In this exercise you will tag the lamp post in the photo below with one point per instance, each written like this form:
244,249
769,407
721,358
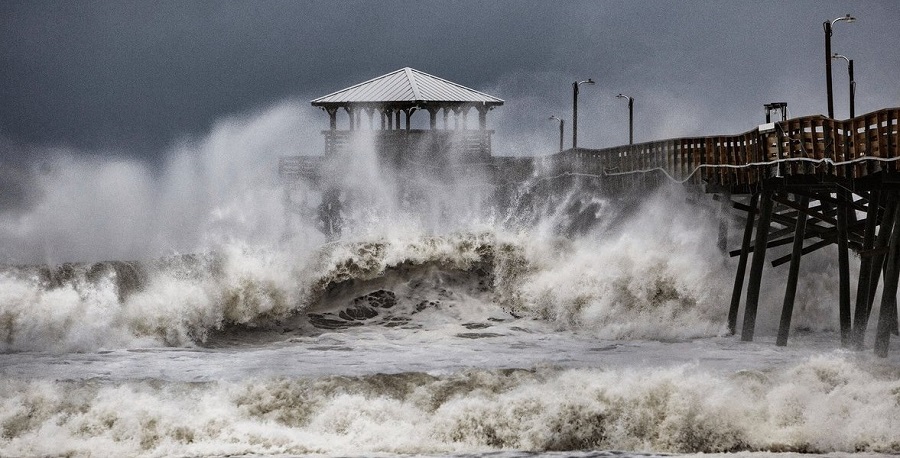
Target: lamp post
561,123
852,82
828,25
630,116
575,110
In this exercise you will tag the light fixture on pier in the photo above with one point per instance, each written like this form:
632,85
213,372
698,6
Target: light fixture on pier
828,25
561,124
852,82
630,116
575,110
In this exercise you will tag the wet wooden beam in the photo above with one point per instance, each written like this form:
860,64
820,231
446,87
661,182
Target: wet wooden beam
889,295
845,199
861,314
787,308
742,265
756,267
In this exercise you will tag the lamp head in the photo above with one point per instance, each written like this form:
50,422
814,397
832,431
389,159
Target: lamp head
848,19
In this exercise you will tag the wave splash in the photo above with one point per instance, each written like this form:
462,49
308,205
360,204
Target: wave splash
608,286
822,405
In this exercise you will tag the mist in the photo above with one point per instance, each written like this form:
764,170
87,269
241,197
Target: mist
77,206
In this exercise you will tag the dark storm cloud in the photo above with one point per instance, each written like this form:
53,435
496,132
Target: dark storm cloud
134,76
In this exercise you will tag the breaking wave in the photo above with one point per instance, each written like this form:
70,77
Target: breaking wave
616,287
822,405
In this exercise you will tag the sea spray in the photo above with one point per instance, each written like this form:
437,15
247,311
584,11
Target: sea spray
822,405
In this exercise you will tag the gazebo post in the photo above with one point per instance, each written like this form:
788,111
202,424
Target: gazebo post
409,112
370,112
350,115
398,119
332,117
446,117
482,116
432,113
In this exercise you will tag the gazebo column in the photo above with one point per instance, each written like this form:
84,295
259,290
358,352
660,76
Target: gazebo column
387,119
446,118
409,112
350,114
432,113
465,114
456,111
332,117
370,112
397,115
482,116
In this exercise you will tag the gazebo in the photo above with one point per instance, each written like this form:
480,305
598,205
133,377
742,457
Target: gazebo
404,92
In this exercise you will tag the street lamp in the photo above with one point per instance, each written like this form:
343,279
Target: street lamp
630,116
852,82
828,25
561,123
575,110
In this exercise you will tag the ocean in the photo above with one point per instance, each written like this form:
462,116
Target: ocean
436,326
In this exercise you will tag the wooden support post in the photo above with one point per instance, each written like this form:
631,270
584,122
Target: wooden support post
756,267
889,294
844,267
742,265
724,210
881,245
863,291
790,291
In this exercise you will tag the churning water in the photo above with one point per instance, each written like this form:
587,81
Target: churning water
437,324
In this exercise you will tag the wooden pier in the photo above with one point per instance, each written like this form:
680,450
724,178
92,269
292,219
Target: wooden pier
810,182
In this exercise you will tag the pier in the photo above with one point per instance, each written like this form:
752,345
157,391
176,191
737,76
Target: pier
808,182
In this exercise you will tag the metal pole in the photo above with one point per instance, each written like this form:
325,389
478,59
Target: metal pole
630,120
561,124
827,26
575,110
575,115
852,90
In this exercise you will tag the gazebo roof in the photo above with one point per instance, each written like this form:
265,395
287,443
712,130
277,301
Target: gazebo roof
407,86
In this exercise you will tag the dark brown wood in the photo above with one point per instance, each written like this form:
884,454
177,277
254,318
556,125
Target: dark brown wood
742,265
790,291
844,268
889,294
861,314
756,267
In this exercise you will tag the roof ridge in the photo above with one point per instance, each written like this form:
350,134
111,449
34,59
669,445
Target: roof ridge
412,83
359,84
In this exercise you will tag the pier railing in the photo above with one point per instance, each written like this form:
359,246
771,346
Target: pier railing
807,146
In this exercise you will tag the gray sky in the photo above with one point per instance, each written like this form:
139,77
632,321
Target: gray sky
132,78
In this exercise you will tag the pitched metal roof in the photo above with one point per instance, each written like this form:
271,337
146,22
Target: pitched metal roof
407,85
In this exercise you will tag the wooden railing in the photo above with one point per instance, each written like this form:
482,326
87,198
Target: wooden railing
809,146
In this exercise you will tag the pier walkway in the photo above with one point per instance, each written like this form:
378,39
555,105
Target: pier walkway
809,182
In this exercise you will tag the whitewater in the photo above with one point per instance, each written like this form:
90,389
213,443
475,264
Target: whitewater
175,310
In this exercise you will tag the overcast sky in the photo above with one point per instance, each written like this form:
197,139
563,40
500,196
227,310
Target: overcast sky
134,77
